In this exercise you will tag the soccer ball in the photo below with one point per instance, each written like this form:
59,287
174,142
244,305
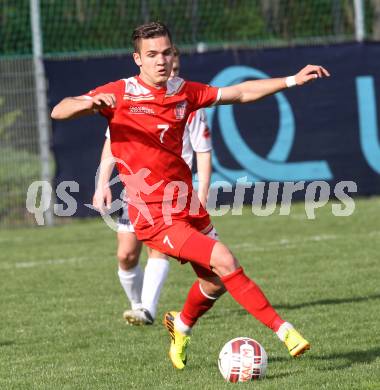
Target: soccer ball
242,360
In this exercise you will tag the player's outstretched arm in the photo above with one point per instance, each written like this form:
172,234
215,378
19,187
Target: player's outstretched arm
74,107
103,196
253,90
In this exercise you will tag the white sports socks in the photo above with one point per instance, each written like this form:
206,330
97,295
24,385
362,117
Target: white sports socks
155,274
132,281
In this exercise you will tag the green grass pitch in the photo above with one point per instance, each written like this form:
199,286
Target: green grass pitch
61,306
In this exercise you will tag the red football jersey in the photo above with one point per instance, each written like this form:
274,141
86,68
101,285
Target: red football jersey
146,129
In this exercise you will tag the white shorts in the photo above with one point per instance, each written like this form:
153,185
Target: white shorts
124,224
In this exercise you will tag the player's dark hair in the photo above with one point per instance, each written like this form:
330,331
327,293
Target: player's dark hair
176,52
149,30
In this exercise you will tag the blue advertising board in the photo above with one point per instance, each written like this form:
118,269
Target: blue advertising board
328,130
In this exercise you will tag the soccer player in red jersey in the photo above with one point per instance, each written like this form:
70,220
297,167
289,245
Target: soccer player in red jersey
146,116
143,288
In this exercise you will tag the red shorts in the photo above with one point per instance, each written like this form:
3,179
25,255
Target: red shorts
184,238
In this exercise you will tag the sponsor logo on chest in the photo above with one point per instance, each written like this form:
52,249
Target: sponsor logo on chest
141,110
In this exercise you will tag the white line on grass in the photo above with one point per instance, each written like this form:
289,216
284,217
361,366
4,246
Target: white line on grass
289,243
283,243
31,264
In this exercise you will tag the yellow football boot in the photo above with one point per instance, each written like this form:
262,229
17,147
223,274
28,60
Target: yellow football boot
295,343
179,342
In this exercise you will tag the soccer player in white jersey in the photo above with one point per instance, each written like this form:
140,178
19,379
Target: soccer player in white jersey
143,288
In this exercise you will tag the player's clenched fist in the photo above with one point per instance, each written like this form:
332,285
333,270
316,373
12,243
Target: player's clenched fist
309,73
103,100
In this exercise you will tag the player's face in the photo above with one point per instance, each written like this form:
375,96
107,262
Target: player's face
175,68
155,60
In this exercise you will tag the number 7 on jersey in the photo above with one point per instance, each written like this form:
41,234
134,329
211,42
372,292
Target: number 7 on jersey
164,128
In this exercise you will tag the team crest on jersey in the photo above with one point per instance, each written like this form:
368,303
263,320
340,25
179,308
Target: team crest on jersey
180,110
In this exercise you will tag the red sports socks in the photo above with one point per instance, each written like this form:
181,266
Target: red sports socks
249,295
196,304
243,290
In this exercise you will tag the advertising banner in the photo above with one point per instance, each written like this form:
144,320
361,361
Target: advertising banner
326,131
